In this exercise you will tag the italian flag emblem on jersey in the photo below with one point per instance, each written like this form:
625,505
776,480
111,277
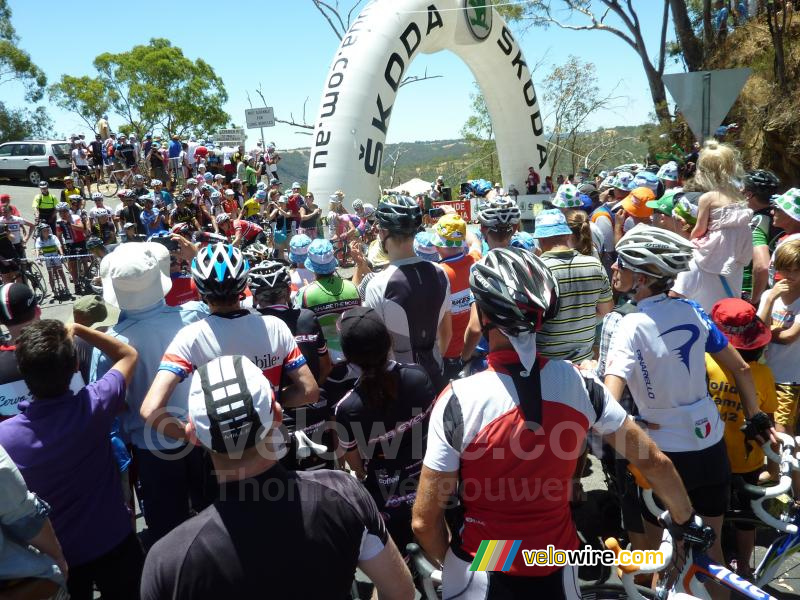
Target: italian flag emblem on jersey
702,429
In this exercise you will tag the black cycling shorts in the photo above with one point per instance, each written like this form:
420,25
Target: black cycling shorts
706,475
74,248
741,502
82,169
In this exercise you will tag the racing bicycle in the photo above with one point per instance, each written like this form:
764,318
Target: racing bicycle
116,180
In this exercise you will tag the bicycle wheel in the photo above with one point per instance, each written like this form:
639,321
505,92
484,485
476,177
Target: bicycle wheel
108,186
36,281
612,591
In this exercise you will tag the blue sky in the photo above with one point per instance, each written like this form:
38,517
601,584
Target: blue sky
287,47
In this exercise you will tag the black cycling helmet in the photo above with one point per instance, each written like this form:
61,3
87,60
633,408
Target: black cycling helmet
515,290
399,214
761,182
269,275
220,271
94,242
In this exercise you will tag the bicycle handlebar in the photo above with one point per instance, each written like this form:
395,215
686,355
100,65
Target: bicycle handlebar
429,575
787,443
627,572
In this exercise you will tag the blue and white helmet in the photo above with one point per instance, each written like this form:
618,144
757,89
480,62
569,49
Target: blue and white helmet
220,271
566,197
668,171
646,179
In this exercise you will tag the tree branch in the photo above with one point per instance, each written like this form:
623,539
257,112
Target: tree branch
319,4
662,51
417,78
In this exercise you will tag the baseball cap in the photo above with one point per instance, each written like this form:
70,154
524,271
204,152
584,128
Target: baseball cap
686,207
450,231
739,322
362,331
587,188
550,223
91,311
789,202
666,203
17,304
635,203
231,404
320,258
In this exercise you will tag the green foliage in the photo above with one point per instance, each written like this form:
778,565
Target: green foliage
479,134
17,124
148,86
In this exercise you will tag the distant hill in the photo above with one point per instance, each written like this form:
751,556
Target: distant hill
452,158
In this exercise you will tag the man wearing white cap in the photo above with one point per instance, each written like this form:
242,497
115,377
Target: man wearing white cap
247,544
136,279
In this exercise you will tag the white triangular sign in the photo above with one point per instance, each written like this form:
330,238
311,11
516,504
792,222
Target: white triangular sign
687,89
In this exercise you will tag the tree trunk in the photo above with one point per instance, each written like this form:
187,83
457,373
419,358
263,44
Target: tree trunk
708,26
776,32
691,47
658,92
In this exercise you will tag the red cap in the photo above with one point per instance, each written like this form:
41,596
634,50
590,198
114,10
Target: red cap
737,319
5,198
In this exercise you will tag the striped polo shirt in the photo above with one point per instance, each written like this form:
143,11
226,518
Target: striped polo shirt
582,284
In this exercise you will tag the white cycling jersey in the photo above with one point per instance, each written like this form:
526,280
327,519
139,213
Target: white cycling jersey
660,352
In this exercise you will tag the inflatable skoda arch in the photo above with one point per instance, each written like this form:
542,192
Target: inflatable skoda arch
375,55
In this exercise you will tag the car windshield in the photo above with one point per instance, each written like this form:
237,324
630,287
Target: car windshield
61,150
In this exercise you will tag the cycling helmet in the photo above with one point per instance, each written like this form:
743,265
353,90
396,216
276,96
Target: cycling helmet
158,235
399,214
261,185
357,204
155,182
97,196
94,242
208,176
515,290
130,195
566,197
75,198
62,206
138,177
223,218
181,228
216,197
42,226
219,271
101,212
524,240
500,212
761,182
653,251
260,195
269,275
191,181
369,211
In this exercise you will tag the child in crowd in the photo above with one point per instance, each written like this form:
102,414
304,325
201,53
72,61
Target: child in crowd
778,309
747,333
49,248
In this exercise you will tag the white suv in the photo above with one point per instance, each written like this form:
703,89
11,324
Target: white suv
35,160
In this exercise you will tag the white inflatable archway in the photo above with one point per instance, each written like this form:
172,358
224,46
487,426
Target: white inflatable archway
374,56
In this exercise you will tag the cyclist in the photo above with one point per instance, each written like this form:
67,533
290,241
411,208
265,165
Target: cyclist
70,189
49,248
449,236
125,153
96,156
183,213
160,193
103,227
243,232
328,296
152,219
139,188
664,342
15,228
44,203
759,187
390,401
502,431
220,274
72,229
270,284
411,295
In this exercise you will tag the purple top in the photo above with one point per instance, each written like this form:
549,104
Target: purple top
63,449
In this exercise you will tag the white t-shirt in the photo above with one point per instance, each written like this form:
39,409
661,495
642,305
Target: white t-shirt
190,153
79,157
783,359
660,353
14,226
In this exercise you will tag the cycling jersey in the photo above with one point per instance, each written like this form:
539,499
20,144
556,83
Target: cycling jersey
79,234
461,299
265,340
66,230
655,348
328,297
45,202
181,214
412,296
249,231
250,208
341,222
387,439
307,333
14,227
515,481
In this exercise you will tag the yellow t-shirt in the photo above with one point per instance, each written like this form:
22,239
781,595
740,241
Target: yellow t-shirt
722,387
251,207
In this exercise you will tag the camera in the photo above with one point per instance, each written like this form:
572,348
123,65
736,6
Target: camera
169,243
435,213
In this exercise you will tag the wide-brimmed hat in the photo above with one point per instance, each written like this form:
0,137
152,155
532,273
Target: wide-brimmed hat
320,258
298,248
450,231
739,322
789,202
136,276
551,222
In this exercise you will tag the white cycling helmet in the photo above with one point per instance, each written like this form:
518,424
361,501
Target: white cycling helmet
223,218
501,212
97,196
357,204
655,252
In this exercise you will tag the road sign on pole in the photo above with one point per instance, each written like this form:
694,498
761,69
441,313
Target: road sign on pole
259,117
230,136
705,97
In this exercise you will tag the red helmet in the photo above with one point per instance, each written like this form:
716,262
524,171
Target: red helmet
181,228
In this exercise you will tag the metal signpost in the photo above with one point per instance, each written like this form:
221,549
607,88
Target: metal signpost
260,118
705,97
